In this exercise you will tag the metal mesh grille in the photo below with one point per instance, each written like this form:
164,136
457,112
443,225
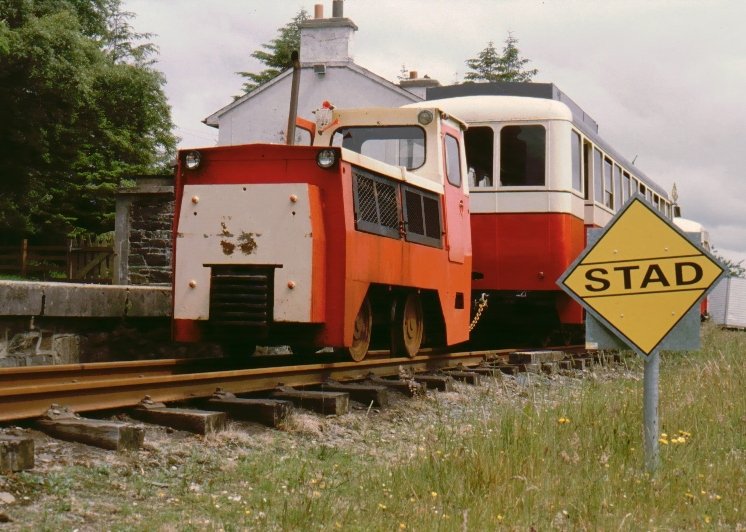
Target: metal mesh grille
376,204
376,201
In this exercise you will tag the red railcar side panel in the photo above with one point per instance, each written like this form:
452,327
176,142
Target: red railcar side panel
527,252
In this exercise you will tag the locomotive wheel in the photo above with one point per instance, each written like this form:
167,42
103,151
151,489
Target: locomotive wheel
408,325
362,333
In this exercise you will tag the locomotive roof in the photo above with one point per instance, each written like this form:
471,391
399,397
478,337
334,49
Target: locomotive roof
470,101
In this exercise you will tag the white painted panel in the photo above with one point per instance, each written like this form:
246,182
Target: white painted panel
229,215
263,117
535,200
728,303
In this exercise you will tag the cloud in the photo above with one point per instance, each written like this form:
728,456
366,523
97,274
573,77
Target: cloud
664,80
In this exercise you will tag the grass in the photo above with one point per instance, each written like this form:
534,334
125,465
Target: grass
537,452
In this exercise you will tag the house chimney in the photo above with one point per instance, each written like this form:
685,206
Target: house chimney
418,86
338,8
326,40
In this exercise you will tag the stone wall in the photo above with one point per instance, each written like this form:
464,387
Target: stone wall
144,221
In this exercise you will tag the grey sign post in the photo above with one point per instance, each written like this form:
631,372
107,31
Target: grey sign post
640,280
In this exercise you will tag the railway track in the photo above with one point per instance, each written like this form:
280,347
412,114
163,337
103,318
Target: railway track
29,392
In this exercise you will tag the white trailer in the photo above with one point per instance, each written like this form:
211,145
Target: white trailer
728,303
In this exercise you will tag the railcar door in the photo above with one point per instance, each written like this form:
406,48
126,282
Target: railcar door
456,202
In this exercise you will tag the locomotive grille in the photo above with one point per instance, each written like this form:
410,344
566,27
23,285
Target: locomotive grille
422,213
241,296
376,204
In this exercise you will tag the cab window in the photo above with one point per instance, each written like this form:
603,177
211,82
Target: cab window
395,145
480,142
453,161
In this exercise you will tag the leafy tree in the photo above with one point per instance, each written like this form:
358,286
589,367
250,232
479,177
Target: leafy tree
277,56
491,66
80,107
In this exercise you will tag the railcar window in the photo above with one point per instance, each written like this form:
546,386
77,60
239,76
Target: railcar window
453,161
396,145
480,150
608,185
598,177
522,156
577,175
627,187
618,186
642,189
587,169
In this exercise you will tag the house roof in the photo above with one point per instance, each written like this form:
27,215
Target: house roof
213,119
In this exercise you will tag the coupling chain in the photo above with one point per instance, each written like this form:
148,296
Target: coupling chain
481,305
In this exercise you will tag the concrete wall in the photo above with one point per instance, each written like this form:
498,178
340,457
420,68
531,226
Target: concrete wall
69,323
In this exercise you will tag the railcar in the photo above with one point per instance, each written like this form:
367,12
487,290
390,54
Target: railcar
539,176
360,239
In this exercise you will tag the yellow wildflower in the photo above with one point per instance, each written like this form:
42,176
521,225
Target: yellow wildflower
402,526
381,506
433,494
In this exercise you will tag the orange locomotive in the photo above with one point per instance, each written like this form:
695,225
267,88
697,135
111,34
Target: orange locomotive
361,239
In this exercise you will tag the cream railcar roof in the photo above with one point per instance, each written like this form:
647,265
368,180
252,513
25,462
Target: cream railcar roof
481,109
475,109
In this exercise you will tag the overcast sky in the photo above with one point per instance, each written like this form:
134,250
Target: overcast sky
665,80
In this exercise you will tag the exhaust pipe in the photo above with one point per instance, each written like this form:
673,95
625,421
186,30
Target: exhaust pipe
292,115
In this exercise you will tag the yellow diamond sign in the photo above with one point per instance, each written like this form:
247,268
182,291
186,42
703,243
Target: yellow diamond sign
641,276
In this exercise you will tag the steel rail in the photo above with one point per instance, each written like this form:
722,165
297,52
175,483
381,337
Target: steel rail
75,373
128,387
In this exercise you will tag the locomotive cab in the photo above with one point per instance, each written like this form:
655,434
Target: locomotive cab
359,241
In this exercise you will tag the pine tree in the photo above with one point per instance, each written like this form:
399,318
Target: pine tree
277,56
490,66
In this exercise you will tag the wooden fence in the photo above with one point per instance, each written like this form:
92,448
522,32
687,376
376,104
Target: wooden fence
87,260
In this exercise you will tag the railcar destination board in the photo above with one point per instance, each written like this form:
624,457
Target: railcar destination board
641,276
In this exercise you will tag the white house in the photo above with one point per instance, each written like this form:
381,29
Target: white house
328,72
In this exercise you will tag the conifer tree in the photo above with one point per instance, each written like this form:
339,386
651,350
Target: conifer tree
491,66
277,54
